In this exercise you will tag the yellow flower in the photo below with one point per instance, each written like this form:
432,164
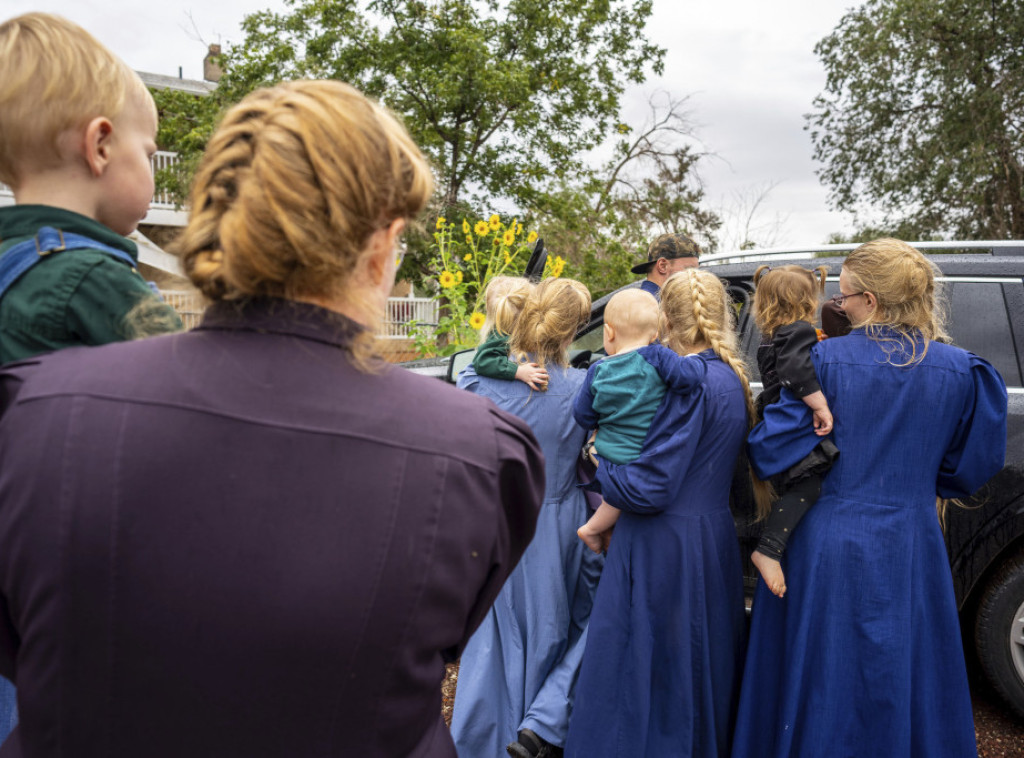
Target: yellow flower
446,279
469,240
509,237
494,222
519,229
458,277
467,257
477,320
440,222
481,228
532,237
465,226
496,241
508,258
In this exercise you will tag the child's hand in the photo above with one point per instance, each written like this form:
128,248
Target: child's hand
533,375
822,421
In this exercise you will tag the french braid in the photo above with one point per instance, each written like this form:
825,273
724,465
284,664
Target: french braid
698,309
291,188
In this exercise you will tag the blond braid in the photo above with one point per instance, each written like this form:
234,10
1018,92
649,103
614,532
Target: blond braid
709,320
293,185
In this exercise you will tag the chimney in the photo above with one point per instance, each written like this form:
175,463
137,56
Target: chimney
211,65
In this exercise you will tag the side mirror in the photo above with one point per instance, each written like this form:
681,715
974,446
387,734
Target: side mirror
538,259
457,363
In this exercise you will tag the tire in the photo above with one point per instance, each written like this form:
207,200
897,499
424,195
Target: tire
999,632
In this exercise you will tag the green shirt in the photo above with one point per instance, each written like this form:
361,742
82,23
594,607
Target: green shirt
491,358
77,297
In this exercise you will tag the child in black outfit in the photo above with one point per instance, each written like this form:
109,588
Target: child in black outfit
785,301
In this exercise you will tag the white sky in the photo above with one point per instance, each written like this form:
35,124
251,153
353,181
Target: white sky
747,65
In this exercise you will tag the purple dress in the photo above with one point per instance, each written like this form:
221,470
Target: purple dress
230,542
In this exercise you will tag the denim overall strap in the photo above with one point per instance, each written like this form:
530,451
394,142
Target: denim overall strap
23,256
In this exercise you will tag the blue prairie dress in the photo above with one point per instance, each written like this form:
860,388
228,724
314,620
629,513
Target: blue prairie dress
863,656
661,672
519,668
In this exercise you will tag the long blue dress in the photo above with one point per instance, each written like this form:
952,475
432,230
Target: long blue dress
660,675
863,655
519,668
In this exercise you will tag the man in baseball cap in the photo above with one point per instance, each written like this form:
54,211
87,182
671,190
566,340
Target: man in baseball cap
666,255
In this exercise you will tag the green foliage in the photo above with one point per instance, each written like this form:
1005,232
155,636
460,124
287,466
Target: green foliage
464,257
922,115
479,85
186,123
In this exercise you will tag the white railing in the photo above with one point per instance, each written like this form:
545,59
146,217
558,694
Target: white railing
396,325
163,159
402,310
188,303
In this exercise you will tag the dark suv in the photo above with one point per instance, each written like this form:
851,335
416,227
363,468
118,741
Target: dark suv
984,286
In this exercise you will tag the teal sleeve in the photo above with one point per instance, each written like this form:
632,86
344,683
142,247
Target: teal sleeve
491,359
113,303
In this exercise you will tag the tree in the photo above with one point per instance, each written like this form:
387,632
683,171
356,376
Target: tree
505,98
921,115
602,222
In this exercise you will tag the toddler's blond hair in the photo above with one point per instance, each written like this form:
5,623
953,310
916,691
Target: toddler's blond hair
633,314
504,298
55,77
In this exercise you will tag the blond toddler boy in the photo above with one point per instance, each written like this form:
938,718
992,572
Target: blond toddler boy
622,393
77,131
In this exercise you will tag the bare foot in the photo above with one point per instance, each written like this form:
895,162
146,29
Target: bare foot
771,572
590,539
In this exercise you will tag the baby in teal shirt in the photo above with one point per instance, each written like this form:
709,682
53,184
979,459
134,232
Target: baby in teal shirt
621,393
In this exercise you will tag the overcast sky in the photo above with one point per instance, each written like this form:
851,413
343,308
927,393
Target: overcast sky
747,66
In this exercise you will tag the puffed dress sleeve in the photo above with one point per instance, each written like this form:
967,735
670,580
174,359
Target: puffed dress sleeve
651,483
978,449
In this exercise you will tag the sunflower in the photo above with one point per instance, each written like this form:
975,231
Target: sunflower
476,321
509,238
481,228
519,229
469,240
446,280
467,257
458,277
440,222
495,222
532,237
465,226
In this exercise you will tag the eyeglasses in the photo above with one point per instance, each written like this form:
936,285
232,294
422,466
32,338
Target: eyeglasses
840,299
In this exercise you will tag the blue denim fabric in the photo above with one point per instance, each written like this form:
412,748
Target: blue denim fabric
8,709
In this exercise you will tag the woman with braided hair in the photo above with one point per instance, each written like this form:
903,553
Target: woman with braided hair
256,538
660,675
863,657
517,674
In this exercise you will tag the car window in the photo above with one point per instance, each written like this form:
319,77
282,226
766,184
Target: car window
980,322
593,340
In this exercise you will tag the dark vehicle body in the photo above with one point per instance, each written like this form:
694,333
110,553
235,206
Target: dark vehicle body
983,286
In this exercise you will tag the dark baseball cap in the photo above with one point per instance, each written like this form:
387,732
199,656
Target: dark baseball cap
668,246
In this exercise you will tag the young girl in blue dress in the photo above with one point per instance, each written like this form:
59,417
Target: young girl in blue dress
785,303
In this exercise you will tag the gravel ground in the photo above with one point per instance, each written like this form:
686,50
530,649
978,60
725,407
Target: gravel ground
1000,732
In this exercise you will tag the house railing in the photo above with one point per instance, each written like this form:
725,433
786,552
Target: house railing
396,325
403,310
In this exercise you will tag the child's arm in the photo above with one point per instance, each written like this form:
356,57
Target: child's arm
492,359
583,405
681,373
793,343
822,415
